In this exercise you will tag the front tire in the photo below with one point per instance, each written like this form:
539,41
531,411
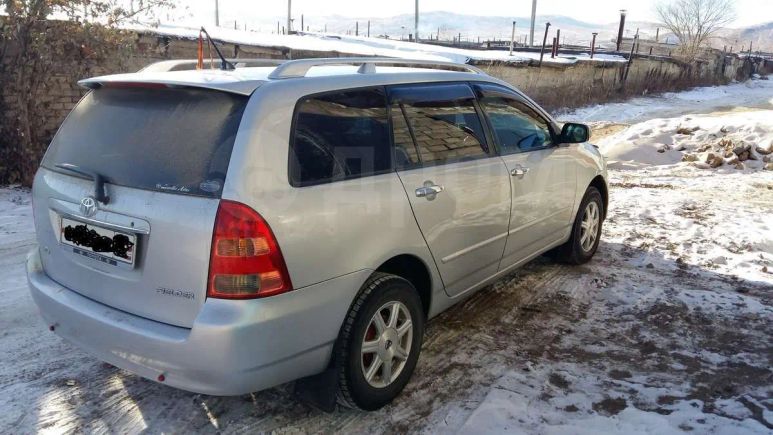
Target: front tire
586,231
379,343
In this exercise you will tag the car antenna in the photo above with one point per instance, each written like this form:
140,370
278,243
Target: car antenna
225,65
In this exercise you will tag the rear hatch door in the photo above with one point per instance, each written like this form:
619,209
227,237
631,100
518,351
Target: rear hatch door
163,153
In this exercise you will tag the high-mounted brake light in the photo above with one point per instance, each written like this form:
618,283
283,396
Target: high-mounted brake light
245,260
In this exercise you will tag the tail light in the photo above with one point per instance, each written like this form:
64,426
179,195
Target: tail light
245,260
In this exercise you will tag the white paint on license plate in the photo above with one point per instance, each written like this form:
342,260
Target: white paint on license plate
98,243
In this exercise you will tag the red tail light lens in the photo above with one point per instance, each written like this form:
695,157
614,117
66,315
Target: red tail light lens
245,260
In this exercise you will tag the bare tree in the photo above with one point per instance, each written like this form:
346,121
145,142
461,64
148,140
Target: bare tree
694,22
35,44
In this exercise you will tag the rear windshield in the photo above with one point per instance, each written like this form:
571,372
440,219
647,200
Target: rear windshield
172,140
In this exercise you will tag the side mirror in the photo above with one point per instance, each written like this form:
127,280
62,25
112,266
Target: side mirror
574,133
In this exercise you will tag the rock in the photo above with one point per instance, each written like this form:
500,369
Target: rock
703,148
741,148
714,160
680,147
689,158
768,166
663,148
763,151
650,266
729,154
723,129
743,156
688,131
739,165
733,160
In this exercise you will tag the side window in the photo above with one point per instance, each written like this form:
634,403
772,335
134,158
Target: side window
443,121
517,127
406,154
339,136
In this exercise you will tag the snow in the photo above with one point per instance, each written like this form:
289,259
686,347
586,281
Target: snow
365,46
667,330
658,142
748,94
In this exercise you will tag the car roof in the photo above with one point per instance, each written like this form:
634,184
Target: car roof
244,80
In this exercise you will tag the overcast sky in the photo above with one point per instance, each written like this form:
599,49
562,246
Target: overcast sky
748,12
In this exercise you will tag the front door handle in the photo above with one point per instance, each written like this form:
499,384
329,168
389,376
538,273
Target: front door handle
429,190
519,171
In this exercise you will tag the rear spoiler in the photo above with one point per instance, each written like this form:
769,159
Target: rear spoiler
190,64
181,79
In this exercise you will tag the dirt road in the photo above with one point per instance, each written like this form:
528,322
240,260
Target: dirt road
640,327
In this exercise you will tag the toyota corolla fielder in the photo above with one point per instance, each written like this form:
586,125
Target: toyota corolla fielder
224,232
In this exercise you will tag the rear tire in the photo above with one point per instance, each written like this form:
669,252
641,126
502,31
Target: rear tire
375,359
586,230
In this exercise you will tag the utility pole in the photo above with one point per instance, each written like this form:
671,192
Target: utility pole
356,28
368,28
217,13
544,41
416,23
512,39
302,27
533,17
289,15
593,45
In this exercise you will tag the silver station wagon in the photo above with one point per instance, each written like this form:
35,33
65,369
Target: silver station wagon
227,230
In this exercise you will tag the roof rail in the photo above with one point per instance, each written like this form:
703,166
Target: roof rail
299,68
190,64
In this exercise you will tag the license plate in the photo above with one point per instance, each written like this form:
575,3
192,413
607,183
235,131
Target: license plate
98,243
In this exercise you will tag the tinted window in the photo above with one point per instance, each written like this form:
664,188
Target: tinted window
442,120
175,140
406,154
516,126
339,136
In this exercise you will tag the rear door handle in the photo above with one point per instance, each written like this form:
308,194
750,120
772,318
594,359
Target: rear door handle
429,190
519,171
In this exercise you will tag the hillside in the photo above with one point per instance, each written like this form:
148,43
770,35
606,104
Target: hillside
450,25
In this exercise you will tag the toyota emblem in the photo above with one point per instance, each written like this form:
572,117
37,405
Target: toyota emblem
88,206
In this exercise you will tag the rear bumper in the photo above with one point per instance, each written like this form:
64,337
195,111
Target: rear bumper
234,347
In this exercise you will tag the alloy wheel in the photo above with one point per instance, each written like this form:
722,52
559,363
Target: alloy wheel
386,344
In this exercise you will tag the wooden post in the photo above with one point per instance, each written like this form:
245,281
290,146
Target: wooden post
630,60
544,41
593,45
553,51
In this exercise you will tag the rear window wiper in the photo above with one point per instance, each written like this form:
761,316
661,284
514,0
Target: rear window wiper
100,192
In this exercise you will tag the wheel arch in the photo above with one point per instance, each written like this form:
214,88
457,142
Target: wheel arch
413,269
601,185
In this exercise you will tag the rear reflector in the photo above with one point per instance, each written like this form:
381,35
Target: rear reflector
245,261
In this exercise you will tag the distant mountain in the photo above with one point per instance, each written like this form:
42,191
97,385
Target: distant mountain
449,25
445,24
760,36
